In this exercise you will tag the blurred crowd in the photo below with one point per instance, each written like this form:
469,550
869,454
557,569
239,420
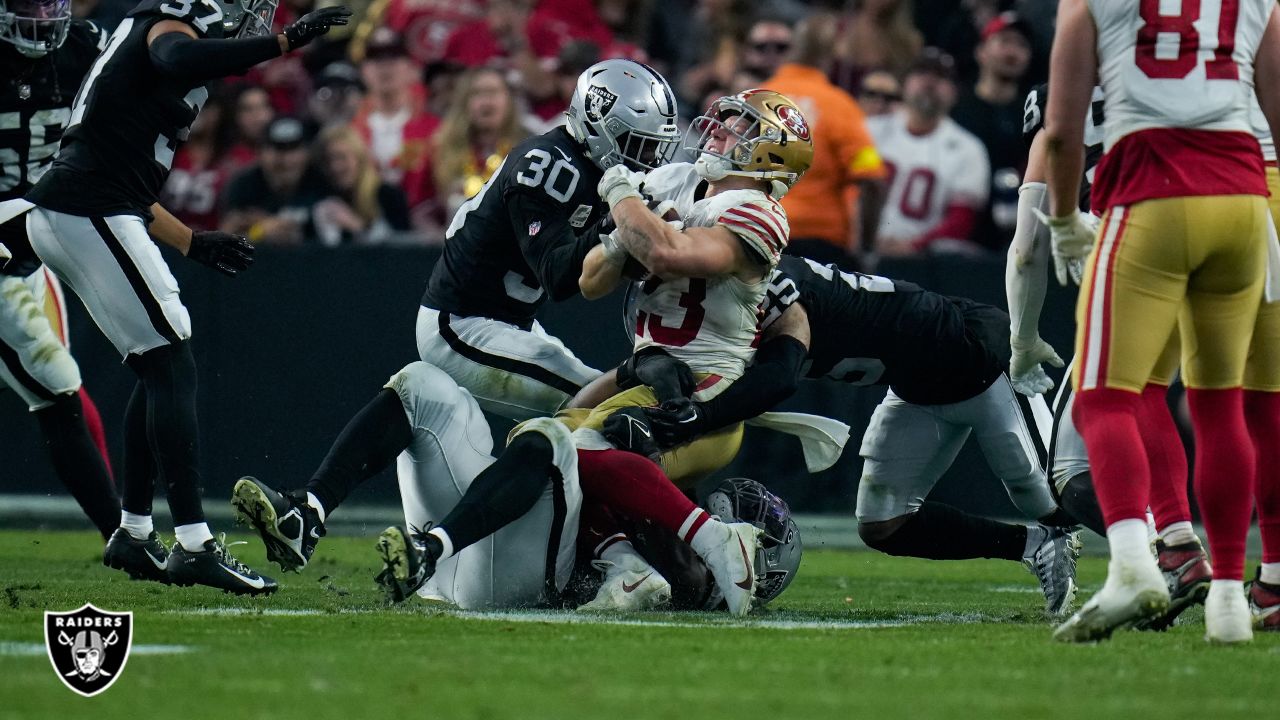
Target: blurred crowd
378,133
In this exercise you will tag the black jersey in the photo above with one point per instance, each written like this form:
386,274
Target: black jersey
35,104
870,330
1033,120
127,121
505,249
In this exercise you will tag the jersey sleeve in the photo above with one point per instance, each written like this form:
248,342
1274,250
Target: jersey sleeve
1033,112
761,225
781,294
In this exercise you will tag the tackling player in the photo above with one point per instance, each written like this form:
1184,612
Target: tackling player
1183,189
96,223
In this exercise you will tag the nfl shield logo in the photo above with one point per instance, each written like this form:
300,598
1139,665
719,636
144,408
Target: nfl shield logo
534,227
88,647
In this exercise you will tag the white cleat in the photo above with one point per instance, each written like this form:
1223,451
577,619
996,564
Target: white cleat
732,564
1135,590
630,584
1226,614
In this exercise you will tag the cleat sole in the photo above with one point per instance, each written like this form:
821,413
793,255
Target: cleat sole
250,507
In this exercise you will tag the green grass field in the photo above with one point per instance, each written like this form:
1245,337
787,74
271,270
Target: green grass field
859,635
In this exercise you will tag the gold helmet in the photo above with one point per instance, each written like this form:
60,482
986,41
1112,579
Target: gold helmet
767,138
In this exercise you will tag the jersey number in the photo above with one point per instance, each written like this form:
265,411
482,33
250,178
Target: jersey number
538,167
182,8
1220,67
694,314
917,191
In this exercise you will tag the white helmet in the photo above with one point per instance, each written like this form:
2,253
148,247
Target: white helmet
35,27
624,112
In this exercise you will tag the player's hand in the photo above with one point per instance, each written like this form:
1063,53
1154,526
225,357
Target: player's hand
1073,238
676,421
1025,372
628,429
314,24
224,252
669,377
618,183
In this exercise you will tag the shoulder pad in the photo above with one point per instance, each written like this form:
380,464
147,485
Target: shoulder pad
758,220
205,16
543,165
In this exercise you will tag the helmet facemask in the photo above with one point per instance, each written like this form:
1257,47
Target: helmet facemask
748,501
248,18
35,27
624,113
757,134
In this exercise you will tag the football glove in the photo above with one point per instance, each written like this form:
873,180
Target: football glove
224,252
314,24
618,183
676,421
1025,372
670,378
628,430
1072,238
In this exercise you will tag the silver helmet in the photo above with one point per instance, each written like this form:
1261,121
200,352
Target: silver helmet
246,18
35,27
624,112
748,501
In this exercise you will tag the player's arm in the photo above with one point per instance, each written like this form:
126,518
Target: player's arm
602,269
224,252
547,241
1072,68
672,253
1266,68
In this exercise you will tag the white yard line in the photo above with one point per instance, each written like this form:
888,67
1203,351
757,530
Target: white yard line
19,649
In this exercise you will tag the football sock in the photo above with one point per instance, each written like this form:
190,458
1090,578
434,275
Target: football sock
139,465
370,442
1270,573
1166,458
139,527
316,505
597,529
193,536
502,492
168,374
617,549
93,421
1079,499
942,532
78,462
1262,414
1224,475
1179,533
1128,541
636,487
1108,421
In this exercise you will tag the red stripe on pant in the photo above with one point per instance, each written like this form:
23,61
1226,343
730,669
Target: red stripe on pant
1108,289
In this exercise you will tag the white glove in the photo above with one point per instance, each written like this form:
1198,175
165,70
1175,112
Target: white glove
618,183
1025,372
1072,238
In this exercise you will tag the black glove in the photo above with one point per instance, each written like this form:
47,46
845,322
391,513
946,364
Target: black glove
676,421
314,24
628,430
224,252
670,378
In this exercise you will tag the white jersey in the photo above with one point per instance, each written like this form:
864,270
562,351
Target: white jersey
710,323
1162,70
928,174
1262,131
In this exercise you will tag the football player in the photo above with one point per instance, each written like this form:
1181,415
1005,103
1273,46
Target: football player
96,222
1183,190
43,57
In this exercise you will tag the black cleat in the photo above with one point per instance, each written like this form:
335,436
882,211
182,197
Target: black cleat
214,566
288,526
142,559
407,564
1187,572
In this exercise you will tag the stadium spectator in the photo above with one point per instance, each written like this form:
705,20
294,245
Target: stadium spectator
876,35
338,95
827,222
939,174
272,200
425,25
768,42
709,52
394,120
253,113
574,57
480,129
880,93
505,37
202,167
361,207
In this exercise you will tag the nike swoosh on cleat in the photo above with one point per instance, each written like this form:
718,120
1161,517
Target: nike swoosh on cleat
255,583
315,535
745,584
627,588
154,561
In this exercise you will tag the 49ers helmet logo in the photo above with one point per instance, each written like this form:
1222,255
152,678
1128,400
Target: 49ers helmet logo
88,647
793,121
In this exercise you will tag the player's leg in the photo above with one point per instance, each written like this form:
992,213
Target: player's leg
1262,414
117,270
1068,462
517,374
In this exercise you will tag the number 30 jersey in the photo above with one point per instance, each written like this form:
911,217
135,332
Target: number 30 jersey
710,323
517,239
127,120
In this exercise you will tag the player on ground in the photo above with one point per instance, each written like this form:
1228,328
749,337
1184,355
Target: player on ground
1183,189
94,222
44,56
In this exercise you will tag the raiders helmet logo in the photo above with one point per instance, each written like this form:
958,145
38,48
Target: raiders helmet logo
793,121
599,102
88,647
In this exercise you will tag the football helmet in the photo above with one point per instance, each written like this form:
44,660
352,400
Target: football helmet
247,18
624,112
35,27
764,136
745,500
